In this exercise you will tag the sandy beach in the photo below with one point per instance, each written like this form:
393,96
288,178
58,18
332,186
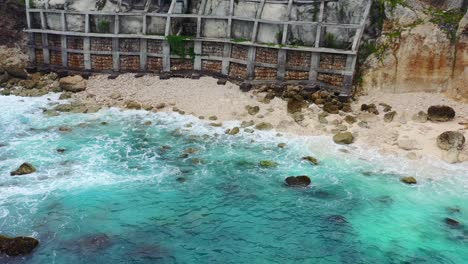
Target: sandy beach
215,103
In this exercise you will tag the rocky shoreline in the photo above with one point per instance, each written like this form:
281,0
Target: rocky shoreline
411,125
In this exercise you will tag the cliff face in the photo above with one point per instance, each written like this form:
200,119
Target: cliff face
422,48
12,22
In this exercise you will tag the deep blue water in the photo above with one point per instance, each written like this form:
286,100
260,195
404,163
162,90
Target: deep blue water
123,192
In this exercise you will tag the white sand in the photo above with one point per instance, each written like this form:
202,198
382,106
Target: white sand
205,98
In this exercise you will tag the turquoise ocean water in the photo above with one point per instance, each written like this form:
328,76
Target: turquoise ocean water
123,192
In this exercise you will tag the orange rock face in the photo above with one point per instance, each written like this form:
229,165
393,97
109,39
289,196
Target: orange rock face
422,59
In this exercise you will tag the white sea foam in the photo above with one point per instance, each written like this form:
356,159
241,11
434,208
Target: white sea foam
79,175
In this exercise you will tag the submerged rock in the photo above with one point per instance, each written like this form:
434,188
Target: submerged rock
297,181
190,151
451,139
25,168
61,150
267,163
343,138
17,246
337,219
452,222
181,179
281,145
94,242
408,180
440,113
64,129
311,160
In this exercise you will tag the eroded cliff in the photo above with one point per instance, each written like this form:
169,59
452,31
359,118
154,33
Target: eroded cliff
423,47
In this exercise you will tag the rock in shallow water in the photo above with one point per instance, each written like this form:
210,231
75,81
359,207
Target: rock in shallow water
298,181
267,163
452,222
311,160
17,246
25,168
408,180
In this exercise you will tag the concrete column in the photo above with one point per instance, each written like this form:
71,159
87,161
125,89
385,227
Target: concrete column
314,65
226,58
281,72
45,40
115,46
143,54
87,53
251,62
347,88
87,45
197,48
63,39
319,26
166,57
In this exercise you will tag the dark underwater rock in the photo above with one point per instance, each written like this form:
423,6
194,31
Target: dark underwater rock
267,164
25,168
61,150
298,181
337,219
452,222
181,179
17,246
94,242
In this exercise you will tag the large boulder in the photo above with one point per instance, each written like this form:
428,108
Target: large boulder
440,113
25,168
297,181
73,84
17,246
343,138
16,71
451,139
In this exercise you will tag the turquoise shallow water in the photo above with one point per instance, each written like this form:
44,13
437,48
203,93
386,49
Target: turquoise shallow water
117,195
